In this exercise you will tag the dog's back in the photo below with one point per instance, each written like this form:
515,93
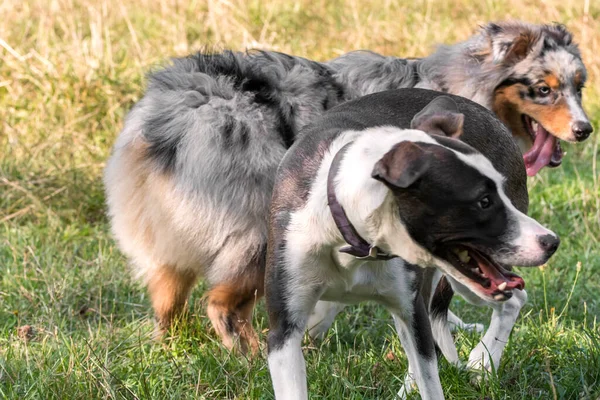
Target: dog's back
397,108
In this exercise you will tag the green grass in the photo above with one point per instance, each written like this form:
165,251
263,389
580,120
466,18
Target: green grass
70,70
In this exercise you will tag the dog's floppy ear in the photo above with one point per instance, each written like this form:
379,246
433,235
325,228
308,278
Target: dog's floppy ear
510,42
402,166
440,117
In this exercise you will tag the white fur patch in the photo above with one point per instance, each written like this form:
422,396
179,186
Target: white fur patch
288,370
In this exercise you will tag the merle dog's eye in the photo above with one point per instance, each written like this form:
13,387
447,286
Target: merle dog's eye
485,202
544,90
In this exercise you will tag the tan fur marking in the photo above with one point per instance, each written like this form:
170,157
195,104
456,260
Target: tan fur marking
507,106
552,81
555,118
169,290
230,311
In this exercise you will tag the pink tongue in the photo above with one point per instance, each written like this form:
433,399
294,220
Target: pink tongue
540,153
498,277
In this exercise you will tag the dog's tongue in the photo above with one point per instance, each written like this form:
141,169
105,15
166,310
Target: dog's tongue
498,275
541,153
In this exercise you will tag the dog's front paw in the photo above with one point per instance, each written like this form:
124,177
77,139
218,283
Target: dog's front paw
408,387
480,363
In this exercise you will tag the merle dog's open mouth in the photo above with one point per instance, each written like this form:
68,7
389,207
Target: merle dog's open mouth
494,280
545,151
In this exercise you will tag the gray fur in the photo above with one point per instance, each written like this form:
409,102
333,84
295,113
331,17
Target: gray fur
365,72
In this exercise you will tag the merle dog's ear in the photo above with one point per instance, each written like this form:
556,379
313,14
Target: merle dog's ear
402,166
510,42
440,117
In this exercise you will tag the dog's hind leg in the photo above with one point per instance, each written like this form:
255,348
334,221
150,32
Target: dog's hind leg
237,280
457,323
169,290
415,335
230,311
411,318
322,317
438,316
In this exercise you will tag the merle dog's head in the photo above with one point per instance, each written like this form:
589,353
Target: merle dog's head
539,97
451,201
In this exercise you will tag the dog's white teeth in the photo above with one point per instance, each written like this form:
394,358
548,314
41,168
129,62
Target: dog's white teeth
502,286
475,271
464,256
534,125
499,297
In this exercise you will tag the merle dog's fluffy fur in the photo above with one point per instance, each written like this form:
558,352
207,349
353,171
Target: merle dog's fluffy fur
190,178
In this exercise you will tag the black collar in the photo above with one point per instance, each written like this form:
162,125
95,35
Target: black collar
358,246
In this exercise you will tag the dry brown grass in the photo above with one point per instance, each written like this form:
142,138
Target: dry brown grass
70,69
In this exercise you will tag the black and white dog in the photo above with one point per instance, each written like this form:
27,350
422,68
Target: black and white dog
376,194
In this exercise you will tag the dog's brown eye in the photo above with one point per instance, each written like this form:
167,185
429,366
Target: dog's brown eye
544,90
485,202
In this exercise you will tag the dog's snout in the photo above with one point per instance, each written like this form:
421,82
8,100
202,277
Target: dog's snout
549,243
581,130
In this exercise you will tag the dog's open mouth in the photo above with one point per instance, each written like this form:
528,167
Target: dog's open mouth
546,150
495,281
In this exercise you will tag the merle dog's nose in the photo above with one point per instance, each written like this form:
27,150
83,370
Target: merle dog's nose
581,130
549,243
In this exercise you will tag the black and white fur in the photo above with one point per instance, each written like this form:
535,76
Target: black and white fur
406,191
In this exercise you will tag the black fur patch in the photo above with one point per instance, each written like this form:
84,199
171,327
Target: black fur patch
420,321
493,29
276,281
227,321
513,81
440,301
162,147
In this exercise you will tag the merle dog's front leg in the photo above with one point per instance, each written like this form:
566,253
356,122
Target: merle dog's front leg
412,324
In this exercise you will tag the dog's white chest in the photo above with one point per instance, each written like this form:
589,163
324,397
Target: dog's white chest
367,281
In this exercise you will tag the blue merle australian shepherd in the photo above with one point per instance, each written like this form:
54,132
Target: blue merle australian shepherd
190,178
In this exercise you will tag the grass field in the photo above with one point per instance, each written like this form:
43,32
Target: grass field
74,325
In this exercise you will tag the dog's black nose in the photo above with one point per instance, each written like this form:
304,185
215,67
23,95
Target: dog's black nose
549,243
581,130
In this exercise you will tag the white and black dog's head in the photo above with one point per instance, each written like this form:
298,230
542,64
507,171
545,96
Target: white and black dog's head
451,201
